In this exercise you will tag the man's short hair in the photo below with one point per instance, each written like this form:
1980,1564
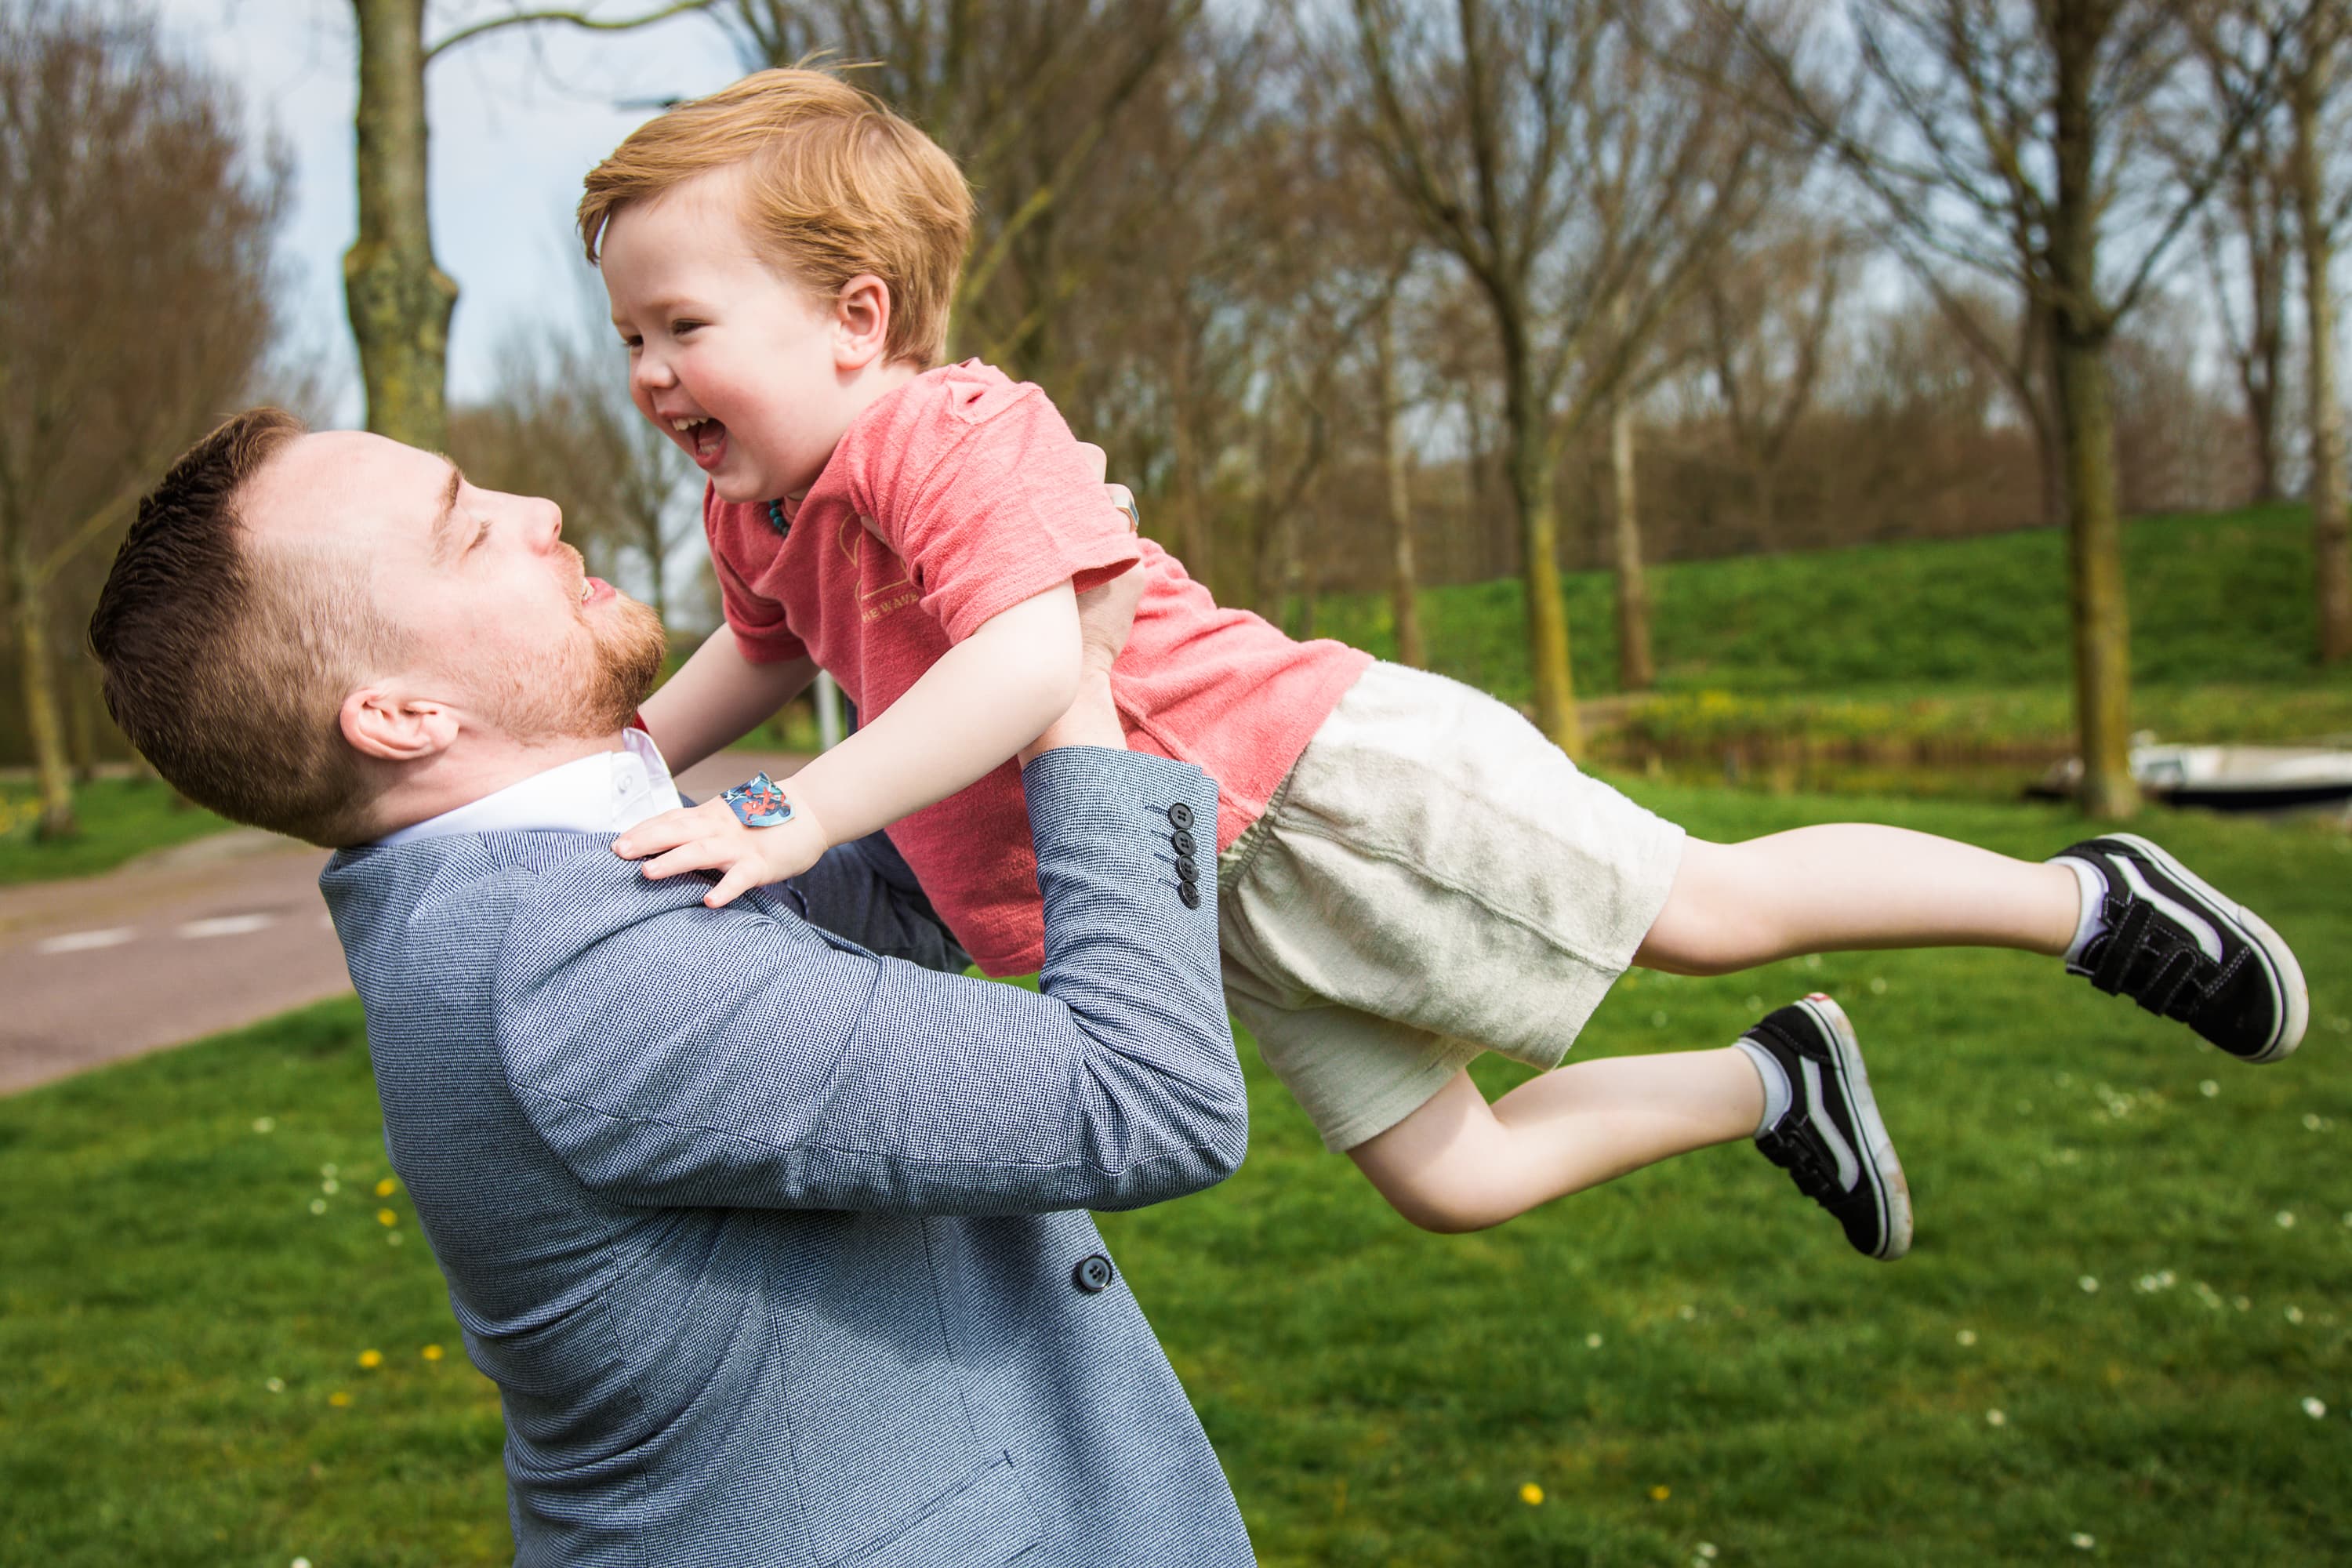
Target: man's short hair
228,672
838,185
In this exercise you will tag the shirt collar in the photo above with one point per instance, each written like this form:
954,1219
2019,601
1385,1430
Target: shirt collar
610,792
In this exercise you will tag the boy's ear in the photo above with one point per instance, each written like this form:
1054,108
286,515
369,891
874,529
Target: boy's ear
392,728
861,321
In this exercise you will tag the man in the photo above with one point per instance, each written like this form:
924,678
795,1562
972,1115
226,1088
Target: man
774,1246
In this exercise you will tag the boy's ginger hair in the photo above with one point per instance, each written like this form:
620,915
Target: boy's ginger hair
838,185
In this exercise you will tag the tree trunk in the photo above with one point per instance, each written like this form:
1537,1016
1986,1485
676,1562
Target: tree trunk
36,672
1192,502
1404,577
1270,568
2076,339
2331,537
1635,669
1305,586
398,298
1405,582
1767,506
81,726
2049,443
1528,435
2102,622
2259,370
2261,408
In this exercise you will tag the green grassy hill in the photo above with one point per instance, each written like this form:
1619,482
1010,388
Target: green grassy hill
2220,598
1927,668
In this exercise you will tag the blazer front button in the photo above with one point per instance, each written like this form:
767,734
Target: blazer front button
1180,816
1191,893
1092,1275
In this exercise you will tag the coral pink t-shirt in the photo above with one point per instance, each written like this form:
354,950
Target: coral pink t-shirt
949,502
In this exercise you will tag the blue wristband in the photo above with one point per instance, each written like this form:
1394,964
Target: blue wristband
759,802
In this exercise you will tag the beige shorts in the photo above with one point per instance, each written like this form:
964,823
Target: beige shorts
1433,879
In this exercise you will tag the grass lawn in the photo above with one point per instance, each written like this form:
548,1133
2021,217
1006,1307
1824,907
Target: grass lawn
119,818
2144,1277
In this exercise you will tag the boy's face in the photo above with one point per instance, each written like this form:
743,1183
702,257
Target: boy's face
740,366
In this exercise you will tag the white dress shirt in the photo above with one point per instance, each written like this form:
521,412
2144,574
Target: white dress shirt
611,792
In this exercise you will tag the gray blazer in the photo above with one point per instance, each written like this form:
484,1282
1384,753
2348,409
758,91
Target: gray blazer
775,1247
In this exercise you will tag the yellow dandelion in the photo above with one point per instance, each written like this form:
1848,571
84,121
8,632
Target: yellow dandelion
385,1216
1660,1494
338,1399
370,1359
431,1352
1531,1494
386,1187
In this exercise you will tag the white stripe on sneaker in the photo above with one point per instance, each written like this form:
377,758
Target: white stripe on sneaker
1848,1167
2208,940
1888,1186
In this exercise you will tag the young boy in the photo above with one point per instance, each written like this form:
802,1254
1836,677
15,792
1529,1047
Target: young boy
1406,872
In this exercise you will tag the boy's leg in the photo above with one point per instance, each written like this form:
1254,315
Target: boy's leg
1458,1163
1854,885
2124,913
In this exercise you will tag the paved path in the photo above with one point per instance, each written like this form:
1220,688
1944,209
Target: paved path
188,941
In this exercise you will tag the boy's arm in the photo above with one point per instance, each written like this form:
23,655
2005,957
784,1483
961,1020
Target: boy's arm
717,697
985,700
865,891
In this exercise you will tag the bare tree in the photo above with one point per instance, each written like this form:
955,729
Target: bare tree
136,273
2017,140
1769,304
2313,90
1538,143
1393,401
1637,665
398,297
2249,236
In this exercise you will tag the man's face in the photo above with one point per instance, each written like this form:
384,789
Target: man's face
491,611
723,345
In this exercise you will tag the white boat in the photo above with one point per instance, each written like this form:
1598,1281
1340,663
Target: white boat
2244,778
2229,778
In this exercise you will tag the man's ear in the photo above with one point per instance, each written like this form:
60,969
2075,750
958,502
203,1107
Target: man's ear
392,728
861,321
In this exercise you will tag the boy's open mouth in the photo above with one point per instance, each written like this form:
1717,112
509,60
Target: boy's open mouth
707,436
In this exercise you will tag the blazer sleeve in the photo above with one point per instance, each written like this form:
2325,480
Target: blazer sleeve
864,891
672,1055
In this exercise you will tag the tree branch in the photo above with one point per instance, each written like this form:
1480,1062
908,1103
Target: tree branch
570,18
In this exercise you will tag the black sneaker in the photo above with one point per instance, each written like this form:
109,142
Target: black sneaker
2182,950
1829,1140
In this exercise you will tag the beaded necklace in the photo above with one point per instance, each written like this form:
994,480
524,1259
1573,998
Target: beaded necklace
778,520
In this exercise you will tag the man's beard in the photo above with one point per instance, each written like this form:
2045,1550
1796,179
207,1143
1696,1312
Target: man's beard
584,690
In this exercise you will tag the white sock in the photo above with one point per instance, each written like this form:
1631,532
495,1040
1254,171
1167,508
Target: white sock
1778,1094
2094,891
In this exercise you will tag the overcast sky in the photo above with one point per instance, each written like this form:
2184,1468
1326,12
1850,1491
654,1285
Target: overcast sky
517,118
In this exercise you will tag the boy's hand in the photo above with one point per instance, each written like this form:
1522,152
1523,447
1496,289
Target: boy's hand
1106,614
708,838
